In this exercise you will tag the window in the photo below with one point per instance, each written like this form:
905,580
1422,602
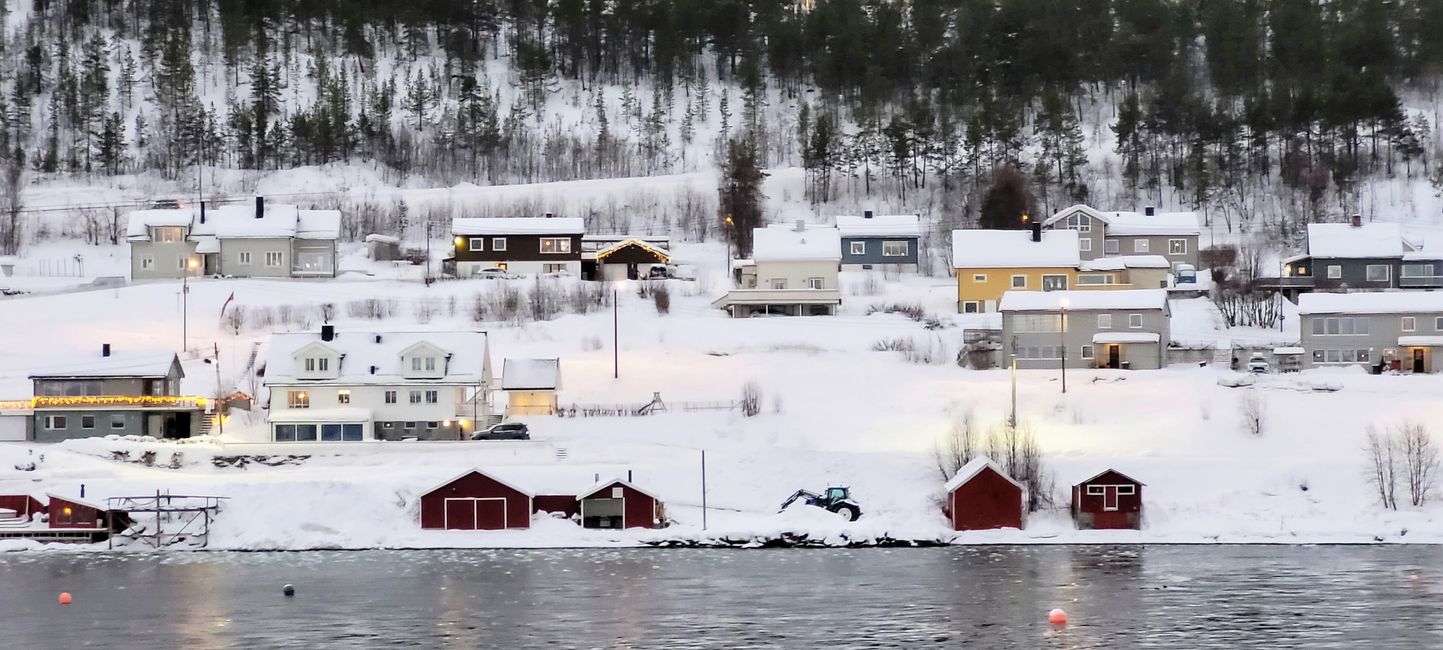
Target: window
167,234
894,249
390,397
53,422
1335,272
180,263
979,277
1417,271
1084,245
1438,324
431,363
1054,283
305,432
1040,352
415,364
499,243
778,283
1095,490
1177,247
310,364
324,363
858,247
1080,223
814,283
1410,324
432,397
1134,321
285,433
298,399
1019,282
1104,321
243,258
1344,326
1110,247
343,396
117,421
87,421
476,244
1037,323
415,397
432,425
971,307
1086,352
274,258
410,425
556,245
1126,490
147,262
553,268
1095,279
352,432
1139,245
1341,356
331,432
1378,272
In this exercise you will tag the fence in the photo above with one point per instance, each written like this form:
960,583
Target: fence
638,409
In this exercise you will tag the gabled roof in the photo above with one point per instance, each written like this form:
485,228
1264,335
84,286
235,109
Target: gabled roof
518,226
237,221
531,374
609,483
659,252
359,350
139,222
1345,240
881,225
973,468
80,502
478,470
784,243
1121,262
145,365
1051,301
1371,302
1099,474
1135,223
1011,249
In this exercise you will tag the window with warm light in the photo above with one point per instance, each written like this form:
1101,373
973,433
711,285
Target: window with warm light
298,399
555,245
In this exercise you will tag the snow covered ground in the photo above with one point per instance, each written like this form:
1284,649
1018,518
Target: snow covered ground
834,412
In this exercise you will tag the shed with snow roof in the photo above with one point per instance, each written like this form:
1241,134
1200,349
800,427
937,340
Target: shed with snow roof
530,386
619,504
981,496
476,500
1108,500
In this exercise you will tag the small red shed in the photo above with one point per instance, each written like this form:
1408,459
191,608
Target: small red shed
619,504
565,504
67,512
23,505
475,500
982,497
1110,500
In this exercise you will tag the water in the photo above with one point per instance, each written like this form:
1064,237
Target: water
1174,597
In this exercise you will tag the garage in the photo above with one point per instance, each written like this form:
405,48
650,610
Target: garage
619,504
475,500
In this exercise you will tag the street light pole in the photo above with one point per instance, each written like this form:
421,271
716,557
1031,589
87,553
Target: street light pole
1063,340
1012,418
185,310
615,335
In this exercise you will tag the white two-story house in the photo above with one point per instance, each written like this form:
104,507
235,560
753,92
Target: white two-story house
371,385
793,272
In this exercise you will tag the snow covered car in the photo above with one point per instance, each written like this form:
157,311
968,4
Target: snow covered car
1257,363
504,431
494,274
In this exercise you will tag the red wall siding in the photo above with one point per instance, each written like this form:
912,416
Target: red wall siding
1089,509
475,485
986,501
640,509
24,505
563,503
80,516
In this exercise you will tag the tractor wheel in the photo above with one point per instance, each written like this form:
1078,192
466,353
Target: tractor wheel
849,513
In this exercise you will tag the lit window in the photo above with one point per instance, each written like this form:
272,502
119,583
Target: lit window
556,245
298,399
1177,247
894,249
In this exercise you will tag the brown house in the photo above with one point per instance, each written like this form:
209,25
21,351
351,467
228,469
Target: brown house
1110,500
518,245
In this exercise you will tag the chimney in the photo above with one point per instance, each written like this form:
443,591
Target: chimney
260,207
1149,211
202,211
378,338
628,476
549,215
328,332
1036,232
801,225
373,370
104,349
1357,221
867,214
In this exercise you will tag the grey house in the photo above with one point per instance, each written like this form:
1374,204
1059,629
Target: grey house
880,242
1393,330
261,240
1089,329
1173,235
132,394
1357,255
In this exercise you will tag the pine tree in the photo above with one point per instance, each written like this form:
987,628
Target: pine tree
740,194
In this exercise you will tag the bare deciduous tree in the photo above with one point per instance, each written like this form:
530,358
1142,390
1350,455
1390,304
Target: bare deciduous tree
957,446
1420,460
1254,410
751,403
1383,467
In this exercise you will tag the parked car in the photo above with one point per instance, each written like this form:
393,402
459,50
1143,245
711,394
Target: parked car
494,274
165,204
1257,363
504,431
659,272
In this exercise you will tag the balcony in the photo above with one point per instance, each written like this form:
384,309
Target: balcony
1421,282
779,297
1286,282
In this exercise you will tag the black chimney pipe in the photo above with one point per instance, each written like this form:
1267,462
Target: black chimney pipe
104,349
328,332
202,211
867,214
1036,231
260,207
1149,211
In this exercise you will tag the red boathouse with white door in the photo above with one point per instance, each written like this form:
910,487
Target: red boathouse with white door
1109,500
981,497
475,500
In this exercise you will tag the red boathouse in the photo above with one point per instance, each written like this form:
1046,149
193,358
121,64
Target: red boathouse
981,497
619,504
1110,500
475,500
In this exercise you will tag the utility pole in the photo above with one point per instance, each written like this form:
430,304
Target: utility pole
428,251
1063,338
220,404
185,310
615,334
1012,417
703,489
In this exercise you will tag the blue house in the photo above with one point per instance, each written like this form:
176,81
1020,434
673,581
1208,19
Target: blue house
880,242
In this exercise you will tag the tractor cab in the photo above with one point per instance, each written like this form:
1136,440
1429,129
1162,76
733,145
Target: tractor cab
835,495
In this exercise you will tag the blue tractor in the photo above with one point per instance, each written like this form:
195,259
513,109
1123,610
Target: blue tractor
834,499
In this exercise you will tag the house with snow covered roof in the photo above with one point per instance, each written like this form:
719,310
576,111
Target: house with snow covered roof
530,385
109,393
882,242
989,263
1393,330
262,240
351,385
1173,235
1086,329
521,245
1358,255
793,272
623,257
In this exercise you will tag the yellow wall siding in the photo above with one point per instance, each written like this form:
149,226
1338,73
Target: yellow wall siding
530,403
999,281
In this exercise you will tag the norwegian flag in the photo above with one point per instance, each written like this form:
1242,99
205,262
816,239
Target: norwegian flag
226,304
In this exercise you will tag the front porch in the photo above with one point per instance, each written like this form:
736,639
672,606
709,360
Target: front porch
1126,350
746,303
1415,354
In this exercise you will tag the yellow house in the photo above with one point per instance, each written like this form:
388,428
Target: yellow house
989,263
530,386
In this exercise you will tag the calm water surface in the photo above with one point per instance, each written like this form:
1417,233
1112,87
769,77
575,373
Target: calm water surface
1118,597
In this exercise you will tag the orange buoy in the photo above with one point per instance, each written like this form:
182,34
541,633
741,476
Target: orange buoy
1057,617
1413,577
64,598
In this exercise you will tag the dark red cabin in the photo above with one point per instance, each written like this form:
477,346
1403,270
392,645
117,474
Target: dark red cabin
66,512
24,505
1110,500
982,497
476,501
619,504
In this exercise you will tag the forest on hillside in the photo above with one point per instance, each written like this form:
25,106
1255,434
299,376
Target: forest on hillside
1261,113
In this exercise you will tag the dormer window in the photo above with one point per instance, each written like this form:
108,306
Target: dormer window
431,363
416,364
310,364
318,364
167,234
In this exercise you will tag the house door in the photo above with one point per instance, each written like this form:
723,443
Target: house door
1418,360
632,273
1114,356
1109,498
460,514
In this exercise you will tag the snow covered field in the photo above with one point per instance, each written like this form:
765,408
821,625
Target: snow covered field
834,412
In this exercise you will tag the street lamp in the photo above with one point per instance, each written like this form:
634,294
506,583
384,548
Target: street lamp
1012,417
728,237
615,330
191,264
1063,339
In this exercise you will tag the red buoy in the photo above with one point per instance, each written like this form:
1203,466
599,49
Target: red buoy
1057,617
64,598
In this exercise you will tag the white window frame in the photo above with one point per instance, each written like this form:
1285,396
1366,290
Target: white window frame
243,258
1140,246
1084,245
298,399
414,397
471,244
1438,323
389,397
553,268
777,284
1104,321
323,364
1335,271
430,364
1086,352
1409,324
433,397
1134,321
1387,273
814,283
310,364
979,277
498,244
858,247
275,259
1126,490
1177,247
415,364
975,304
56,422
178,231
1110,247
1079,222
893,243
559,245
1065,282
1096,490
1015,278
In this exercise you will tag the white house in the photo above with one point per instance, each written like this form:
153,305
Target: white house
793,272
530,386
260,240
377,385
